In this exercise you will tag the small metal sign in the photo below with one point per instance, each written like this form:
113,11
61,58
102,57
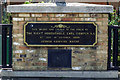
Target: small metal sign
60,34
59,58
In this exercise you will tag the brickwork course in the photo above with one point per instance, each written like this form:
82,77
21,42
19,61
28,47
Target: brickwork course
36,58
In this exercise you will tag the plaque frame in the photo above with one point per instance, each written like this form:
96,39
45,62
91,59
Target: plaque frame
85,22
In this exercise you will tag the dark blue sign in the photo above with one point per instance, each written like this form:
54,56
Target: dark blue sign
59,58
60,34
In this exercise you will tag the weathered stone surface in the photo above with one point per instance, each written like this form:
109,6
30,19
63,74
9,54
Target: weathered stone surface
70,74
53,8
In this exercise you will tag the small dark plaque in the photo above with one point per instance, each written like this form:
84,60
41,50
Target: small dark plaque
59,58
60,34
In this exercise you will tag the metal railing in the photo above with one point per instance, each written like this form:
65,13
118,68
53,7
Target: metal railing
113,47
6,31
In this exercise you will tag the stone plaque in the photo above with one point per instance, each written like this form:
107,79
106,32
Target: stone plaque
60,34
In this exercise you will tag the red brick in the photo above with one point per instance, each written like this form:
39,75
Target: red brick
51,15
66,19
14,15
44,15
72,15
42,19
73,56
15,31
21,31
96,15
22,47
21,27
44,64
102,19
15,39
76,19
55,19
15,23
37,64
101,43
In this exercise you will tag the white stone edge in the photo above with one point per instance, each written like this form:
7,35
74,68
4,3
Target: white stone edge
75,74
25,8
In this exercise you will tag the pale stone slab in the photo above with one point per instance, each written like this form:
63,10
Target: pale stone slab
77,74
53,8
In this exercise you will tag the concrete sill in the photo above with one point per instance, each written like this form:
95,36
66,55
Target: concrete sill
69,74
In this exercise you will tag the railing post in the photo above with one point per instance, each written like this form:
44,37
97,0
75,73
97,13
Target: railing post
115,48
4,46
109,47
10,46
5,29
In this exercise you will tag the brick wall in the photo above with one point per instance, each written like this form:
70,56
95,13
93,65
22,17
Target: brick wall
36,58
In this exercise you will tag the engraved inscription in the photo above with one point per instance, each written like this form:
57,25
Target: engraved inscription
60,34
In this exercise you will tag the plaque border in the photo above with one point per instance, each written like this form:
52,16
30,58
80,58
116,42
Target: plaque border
29,45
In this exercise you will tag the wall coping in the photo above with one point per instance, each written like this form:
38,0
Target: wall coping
53,8
75,74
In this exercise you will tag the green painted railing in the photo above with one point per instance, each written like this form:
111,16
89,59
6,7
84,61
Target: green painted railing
1,50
